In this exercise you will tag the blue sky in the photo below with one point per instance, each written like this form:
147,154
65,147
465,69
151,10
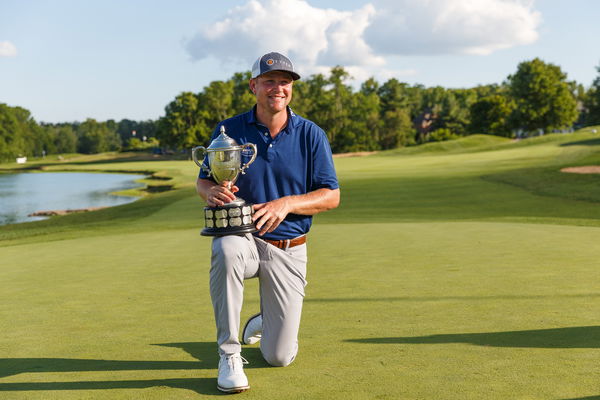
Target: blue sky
68,60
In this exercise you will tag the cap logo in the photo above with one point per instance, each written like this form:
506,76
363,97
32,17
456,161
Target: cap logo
270,61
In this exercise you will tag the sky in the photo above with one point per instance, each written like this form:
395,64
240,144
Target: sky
69,60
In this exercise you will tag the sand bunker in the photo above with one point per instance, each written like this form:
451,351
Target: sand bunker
354,154
588,169
50,213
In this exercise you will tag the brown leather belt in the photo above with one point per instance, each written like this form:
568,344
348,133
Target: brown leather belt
287,243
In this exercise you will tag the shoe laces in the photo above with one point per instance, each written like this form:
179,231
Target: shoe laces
232,361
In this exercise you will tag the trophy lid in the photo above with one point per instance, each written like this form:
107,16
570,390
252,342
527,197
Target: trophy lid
223,141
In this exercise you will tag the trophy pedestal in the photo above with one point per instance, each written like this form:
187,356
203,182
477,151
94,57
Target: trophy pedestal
233,218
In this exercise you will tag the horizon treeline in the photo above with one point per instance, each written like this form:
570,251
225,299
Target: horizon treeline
536,99
21,135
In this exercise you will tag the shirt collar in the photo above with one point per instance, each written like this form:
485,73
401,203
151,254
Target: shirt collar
251,117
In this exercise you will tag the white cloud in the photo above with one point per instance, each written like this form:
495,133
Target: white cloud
317,39
432,27
7,49
310,36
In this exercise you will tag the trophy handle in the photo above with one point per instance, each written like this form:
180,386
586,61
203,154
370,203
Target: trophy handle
253,147
195,158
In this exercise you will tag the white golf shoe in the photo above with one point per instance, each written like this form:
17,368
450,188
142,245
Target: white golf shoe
232,378
253,330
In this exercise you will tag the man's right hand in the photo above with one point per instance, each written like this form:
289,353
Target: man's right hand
222,194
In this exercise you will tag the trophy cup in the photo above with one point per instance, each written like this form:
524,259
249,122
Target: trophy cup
224,164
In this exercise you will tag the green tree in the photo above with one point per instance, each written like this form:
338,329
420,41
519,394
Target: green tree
543,99
300,102
453,116
338,123
64,137
243,99
491,115
183,125
215,102
430,112
12,140
398,129
398,102
459,117
27,130
449,109
365,130
326,100
311,99
39,140
482,91
97,137
21,135
128,129
442,134
136,144
592,102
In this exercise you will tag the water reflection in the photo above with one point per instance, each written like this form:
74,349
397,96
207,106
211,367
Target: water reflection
25,193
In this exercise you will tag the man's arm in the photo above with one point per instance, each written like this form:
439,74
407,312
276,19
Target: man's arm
215,195
268,216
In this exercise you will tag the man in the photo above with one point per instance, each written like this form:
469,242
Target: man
292,178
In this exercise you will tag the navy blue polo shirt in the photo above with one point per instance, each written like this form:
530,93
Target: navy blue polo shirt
296,162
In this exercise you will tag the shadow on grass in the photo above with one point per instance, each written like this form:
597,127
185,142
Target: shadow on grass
448,298
580,337
199,385
204,352
585,398
207,352
588,142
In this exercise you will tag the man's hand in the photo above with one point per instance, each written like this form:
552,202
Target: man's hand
268,216
218,195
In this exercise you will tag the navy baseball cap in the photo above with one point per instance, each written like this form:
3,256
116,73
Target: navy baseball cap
273,62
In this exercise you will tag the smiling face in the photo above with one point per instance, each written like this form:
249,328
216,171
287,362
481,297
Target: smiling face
273,91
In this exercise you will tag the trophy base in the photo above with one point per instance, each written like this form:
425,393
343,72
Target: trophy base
234,218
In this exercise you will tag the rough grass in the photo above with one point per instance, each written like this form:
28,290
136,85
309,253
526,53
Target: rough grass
464,273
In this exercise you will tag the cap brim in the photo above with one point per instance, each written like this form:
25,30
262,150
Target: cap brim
294,75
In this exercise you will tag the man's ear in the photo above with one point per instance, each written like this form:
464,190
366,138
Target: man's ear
252,85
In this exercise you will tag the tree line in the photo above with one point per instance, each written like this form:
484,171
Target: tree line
21,135
535,99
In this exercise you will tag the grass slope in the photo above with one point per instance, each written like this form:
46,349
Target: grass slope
458,271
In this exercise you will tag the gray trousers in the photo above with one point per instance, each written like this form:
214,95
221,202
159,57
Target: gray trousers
282,278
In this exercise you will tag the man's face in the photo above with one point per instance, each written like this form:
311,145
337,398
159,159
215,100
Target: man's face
273,90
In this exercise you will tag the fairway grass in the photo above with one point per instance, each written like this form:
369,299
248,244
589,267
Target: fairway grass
468,272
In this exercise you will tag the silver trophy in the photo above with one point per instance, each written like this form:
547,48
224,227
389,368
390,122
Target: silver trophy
225,165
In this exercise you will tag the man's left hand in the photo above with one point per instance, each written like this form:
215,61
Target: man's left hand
268,216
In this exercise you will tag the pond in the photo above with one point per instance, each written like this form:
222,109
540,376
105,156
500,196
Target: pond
22,194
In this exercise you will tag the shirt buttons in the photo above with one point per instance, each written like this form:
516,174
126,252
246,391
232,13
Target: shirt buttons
266,134
271,145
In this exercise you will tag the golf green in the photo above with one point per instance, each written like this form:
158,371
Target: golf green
466,270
